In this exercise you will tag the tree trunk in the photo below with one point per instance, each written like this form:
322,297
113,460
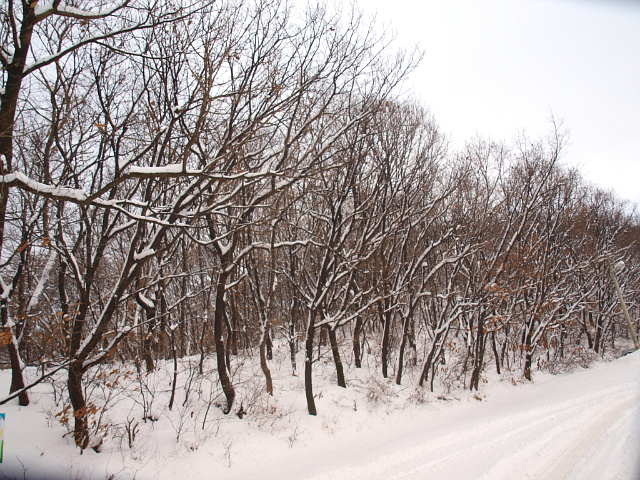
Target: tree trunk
424,375
403,344
468,348
308,362
163,344
495,352
478,358
503,349
264,357
527,366
413,359
17,371
233,338
146,349
8,106
357,348
586,324
76,395
14,75
174,353
218,332
265,368
385,316
202,349
336,357
292,344
17,365
268,342
528,355
598,335
227,348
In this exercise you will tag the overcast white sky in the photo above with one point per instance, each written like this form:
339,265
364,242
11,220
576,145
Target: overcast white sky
500,67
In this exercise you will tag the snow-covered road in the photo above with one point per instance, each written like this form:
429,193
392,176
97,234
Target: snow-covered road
585,425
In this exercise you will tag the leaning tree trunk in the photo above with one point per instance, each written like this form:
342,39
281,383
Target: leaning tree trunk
436,347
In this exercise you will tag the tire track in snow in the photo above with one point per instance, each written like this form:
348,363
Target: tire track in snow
564,431
535,430
564,462
478,446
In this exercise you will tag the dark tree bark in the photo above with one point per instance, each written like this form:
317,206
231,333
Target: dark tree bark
78,402
293,316
478,357
385,317
357,348
268,342
495,352
293,350
174,355
528,357
403,345
333,340
308,364
218,332
265,367
17,379
235,321
436,348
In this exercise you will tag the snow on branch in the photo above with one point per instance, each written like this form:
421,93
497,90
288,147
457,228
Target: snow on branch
275,245
79,196
47,9
44,278
342,318
75,195
171,170
175,170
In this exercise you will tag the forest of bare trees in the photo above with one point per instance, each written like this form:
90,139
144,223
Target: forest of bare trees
207,179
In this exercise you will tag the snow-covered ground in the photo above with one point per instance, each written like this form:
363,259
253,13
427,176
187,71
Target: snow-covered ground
580,426
575,426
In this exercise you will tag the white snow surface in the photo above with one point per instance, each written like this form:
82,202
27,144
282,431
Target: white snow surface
580,425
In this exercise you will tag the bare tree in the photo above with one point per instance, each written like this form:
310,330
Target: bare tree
34,38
